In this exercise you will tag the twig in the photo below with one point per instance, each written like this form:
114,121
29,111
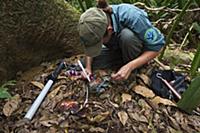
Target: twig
158,21
180,10
170,21
195,112
86,97
175,23
186,36
84,72
85,102
164,8
149,8
162,65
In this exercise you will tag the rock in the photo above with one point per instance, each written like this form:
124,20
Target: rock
32,32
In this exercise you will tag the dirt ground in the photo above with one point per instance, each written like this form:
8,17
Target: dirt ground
126,107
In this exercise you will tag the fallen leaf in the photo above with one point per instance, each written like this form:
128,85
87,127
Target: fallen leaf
184,121
11,105
99,118
156,118
49,123
64,124
104,96
123,117
48,120
68,105
144,104
52,130
158,100
144,91
126,97
174,123
145,79
97,130
66,130
171,130
102,73
61,77
37,84
171,120
113,104
138,117
54,92
84,126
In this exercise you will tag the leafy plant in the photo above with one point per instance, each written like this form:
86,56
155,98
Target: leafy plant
81,5
196,27
195,63
126,1
178,19
88,3
191,97
4,90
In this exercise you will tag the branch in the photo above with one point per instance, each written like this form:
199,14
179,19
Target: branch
161,64
164,8
186,36
148,8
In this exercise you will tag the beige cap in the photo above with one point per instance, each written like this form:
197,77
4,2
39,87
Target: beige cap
92,26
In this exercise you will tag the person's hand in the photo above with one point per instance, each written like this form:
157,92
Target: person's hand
89,73
123,73
88,68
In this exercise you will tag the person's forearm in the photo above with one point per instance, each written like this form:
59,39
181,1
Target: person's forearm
88,64
125,70
142,59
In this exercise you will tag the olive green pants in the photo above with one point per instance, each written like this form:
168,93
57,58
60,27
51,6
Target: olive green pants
124,47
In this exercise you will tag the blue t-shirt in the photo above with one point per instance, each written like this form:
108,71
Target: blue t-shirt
129,16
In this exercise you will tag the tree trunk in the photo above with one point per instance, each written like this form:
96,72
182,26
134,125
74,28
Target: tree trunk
33,31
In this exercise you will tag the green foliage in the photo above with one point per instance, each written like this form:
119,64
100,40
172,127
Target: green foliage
178,18
191,97
4,90
175,57
118,1
195,63
81,5
196,27
126,1
197,2
181,3
88,3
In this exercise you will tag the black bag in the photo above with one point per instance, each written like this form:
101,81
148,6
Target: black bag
177,81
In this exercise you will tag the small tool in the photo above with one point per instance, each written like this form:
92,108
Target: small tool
84,72
159,75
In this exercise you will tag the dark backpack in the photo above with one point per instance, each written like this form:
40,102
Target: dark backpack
177,81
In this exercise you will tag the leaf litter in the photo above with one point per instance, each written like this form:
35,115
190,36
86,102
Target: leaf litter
121,107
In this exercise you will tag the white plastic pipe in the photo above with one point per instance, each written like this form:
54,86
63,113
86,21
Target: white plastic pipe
31,112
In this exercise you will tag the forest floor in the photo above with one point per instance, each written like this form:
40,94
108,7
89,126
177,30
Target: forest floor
122,107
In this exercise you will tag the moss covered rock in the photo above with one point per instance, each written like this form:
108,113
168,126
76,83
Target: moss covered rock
34,31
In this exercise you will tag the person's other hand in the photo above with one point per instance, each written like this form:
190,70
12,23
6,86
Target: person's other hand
123,73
